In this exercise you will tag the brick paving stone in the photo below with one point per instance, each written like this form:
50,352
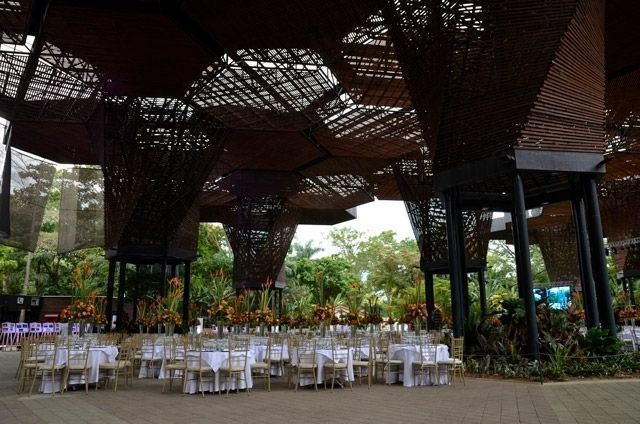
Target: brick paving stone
483,401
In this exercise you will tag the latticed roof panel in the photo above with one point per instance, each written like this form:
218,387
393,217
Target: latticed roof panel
371,132
280,23
13,20
272,89
55,87
266,150
141,52
367,66
341,191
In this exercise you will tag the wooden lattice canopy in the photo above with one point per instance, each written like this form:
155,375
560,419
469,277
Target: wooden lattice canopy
192,107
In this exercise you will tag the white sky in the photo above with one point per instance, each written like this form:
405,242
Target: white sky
373,218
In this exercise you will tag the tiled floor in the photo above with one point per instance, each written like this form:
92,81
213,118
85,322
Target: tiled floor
480,401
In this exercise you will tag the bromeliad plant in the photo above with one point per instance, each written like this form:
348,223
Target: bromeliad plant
373,310
353,301
221,296
264,314
82,296
100,306
167,309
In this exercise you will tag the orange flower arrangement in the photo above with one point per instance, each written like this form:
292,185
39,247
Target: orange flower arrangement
264,315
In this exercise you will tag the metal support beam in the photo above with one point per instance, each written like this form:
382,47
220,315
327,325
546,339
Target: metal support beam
482,287
514,231
456,268
186,295
163,278
110,283
174,269
525,279
632,296
598,257
429,297
5,194
584,257
121,289
464,281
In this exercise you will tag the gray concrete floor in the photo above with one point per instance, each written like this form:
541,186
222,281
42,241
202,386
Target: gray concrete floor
480,401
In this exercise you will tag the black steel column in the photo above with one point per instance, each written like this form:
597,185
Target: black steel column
525,279
632,296
429,297
584,257
186,295
174,267
455,266
163,278
465,295
121,289
598,257
514,232
464,281
482,288
110,283
5,194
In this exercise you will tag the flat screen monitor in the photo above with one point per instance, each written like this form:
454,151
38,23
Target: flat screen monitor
559,297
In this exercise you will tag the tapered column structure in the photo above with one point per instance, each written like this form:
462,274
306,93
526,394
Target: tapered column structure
260,230
525,280
186,295
584,256
121,290
598,257
482,288
456,267
429,297
110,283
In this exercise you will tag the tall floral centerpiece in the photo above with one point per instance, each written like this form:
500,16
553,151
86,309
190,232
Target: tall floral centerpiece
194,313
169,310
373,312
354,318
238,313
221,298
100,317
144,316
323,316
414,308
263,315
82,307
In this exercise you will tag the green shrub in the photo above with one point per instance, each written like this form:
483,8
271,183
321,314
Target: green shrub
599,342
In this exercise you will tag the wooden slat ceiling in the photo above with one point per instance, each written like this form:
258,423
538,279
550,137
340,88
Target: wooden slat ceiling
302,84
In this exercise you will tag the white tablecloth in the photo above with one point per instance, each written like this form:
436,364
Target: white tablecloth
215,360
322,357
411,353
277,352
97,354
149,352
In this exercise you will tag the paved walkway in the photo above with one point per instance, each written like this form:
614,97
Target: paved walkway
481,401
